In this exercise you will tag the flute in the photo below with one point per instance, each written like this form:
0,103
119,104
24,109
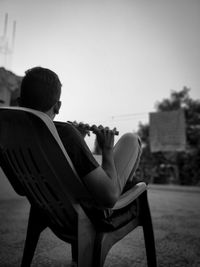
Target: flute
90,128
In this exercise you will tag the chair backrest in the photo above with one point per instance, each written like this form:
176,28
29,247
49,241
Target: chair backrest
32,154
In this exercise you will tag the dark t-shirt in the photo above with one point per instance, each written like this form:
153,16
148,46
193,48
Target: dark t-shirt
77,149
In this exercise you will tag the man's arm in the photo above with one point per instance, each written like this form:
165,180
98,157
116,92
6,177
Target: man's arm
102,182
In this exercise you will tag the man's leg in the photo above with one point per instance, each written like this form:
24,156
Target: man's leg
127,153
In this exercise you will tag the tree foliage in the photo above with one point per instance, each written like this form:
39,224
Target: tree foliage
164,167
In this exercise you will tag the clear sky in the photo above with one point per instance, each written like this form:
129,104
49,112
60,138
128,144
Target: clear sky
115,58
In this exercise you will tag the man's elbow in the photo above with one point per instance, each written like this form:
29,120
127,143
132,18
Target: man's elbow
104,190
110,200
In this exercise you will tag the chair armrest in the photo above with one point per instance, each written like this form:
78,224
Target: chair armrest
130,195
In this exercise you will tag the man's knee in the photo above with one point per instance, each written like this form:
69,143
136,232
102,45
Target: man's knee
132,140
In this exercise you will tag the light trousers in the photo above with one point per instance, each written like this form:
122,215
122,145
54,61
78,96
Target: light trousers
127,152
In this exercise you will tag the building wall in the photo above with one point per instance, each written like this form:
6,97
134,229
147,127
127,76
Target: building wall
9,85
5,95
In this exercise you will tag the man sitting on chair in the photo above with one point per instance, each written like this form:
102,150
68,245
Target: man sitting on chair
41,90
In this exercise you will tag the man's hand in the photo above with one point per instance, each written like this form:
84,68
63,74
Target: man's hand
82,127
105,137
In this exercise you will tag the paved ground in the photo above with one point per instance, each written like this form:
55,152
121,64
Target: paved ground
176,218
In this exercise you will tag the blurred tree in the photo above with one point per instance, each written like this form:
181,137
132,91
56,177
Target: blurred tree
162,167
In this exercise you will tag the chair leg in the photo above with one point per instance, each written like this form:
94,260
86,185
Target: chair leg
86,239
74,248
101,249
36,224
148,231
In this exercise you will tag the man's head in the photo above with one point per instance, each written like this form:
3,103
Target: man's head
40,90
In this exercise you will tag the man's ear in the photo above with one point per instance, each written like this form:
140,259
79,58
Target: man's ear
57,107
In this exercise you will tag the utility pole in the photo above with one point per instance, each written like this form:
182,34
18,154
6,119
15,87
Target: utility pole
7,44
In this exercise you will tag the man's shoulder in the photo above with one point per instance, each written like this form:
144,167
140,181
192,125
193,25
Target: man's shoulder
64,126
66,129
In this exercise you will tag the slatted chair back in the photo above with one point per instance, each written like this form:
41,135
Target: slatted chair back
33,153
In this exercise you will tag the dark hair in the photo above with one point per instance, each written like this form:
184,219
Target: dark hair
40,89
